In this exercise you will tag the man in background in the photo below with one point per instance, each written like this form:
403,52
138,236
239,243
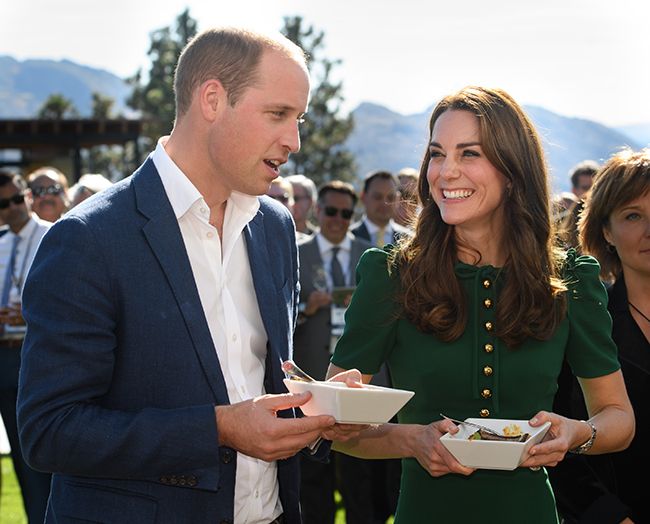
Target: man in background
304,199
327,275
49,188
380,197
18,243
407,206
582,177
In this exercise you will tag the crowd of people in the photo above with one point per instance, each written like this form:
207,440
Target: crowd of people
144,331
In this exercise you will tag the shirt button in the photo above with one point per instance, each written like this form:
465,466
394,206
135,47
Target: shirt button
257,494
227,455
486,393
487,284
489,326
203,210
488,348
487,303
487,371
485,413
234,338
210,234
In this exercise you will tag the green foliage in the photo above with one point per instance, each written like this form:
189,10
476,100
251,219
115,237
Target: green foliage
11,506
102,106
322,156
57,107
154,98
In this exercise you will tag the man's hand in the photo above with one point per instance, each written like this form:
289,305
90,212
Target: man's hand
253,428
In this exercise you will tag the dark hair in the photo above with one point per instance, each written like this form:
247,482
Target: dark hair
532,302
623,178
337,186
586,167
373,175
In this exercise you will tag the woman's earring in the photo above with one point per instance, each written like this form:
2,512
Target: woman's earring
610,248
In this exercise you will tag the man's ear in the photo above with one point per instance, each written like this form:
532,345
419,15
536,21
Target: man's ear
211,96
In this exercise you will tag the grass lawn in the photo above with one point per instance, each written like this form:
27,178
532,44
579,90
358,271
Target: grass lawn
11,502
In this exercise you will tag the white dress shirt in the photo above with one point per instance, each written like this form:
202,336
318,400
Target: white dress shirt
345,252
223,278
30,238
373,229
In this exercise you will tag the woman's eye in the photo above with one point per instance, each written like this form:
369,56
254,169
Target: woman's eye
632,216
435,154
471,153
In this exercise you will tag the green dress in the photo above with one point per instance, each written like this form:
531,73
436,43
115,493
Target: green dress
475,376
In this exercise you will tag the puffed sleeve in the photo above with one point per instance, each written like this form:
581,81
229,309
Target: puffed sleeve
371,317
591,352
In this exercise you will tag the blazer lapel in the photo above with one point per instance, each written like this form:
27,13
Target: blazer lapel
263,281
165,239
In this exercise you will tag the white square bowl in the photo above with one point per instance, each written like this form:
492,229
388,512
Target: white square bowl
367,405
492,454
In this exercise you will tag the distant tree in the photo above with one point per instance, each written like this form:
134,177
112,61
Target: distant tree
102,106
322,155
154,98
57,107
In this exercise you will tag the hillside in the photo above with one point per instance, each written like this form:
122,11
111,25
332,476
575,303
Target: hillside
382,139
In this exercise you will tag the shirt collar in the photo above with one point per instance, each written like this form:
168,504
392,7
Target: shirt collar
373,228
325,245
182,194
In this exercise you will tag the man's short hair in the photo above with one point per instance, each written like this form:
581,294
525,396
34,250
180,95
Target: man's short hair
306,183
586,167
373,175
228,54
338,186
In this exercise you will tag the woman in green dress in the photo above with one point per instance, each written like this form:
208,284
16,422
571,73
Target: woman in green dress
475,314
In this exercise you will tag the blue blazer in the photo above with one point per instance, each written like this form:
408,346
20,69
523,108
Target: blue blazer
120,375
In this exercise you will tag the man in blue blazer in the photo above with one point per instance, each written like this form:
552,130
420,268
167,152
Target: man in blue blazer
159,312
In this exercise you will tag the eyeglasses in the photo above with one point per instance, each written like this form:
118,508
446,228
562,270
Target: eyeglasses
331,211
41,191
17,199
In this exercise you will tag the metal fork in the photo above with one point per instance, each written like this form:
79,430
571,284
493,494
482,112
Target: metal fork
294,372
465,423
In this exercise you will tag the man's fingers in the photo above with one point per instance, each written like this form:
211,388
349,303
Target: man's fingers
283,401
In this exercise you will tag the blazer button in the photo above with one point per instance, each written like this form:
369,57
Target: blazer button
182,481
192,481
227,455
485,412
164,480
173,480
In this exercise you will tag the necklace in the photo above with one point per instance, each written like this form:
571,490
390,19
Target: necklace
638,311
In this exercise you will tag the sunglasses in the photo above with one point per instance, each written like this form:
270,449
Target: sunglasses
41,191
17,199
331,211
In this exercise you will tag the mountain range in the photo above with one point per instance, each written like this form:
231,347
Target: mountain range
382,139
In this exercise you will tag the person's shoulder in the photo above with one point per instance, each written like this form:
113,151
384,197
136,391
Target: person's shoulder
361,242
577,266
274,209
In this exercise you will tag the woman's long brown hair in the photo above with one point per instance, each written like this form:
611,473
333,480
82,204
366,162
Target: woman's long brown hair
532,301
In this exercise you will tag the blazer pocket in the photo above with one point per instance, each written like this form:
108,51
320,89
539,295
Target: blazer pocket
93,503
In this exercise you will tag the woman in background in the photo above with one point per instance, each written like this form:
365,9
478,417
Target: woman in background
476,314
615,228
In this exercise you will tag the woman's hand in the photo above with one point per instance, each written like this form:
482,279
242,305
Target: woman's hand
564,434
431,454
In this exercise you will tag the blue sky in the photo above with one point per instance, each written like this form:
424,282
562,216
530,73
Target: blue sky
578,58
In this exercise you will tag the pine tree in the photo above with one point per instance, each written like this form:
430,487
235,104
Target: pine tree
322,156
155,98
57,107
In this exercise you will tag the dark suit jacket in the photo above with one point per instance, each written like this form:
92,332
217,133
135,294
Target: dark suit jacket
312,337
360,230
604,489
120,375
